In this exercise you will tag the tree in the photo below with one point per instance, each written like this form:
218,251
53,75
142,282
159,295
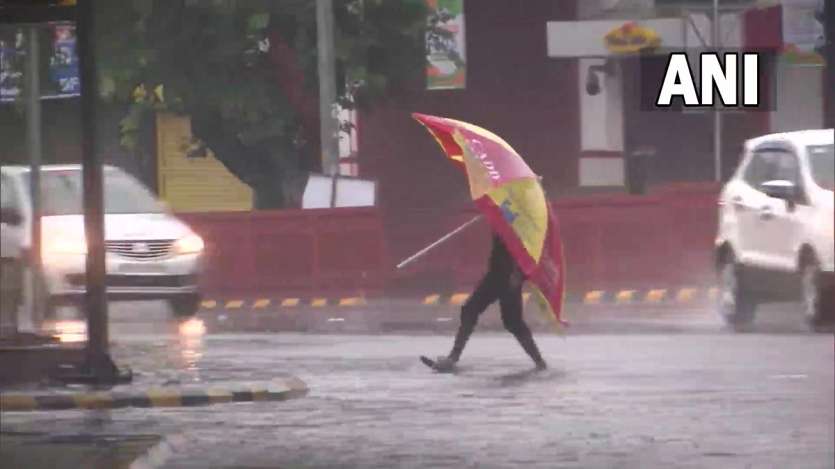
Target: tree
246,74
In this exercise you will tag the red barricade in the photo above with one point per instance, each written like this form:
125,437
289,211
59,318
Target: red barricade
661,240
292,252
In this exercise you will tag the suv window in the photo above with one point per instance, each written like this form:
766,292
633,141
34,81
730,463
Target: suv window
786,168
759,168
769,165
822,165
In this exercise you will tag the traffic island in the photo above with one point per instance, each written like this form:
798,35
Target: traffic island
275,390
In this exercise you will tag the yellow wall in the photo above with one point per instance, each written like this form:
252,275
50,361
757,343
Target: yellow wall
194,184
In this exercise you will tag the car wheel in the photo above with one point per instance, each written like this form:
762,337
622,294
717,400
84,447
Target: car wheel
817,304
737,304
185,306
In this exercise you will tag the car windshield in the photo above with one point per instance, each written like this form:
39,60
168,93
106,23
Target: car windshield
822,162
61,193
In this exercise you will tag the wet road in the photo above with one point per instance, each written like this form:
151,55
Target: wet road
685,394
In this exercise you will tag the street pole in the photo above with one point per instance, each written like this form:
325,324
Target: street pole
717,114
33,134
327,87
98,365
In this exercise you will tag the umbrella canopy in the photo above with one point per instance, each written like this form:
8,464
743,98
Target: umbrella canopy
509,194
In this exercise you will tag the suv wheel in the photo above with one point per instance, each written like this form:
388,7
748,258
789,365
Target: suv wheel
185,306
737,304
817,305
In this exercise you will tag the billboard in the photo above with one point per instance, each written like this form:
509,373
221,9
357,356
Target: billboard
58,61
803,33
446,55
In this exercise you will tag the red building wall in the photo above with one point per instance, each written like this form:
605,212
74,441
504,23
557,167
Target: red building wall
513,89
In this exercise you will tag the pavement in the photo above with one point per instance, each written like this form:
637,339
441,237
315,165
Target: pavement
647,390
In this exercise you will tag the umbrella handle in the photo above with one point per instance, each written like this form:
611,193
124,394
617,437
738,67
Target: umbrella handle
443,239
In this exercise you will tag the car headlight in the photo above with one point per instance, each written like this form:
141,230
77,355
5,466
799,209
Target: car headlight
64,245
191,244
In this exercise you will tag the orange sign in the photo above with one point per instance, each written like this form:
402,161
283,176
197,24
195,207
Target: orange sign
631,38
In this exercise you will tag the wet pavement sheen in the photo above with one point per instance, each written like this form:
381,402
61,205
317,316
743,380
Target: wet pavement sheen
708,399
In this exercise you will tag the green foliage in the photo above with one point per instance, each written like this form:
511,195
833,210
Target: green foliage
212,61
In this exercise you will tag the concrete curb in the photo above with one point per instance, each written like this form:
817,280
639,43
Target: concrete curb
276,390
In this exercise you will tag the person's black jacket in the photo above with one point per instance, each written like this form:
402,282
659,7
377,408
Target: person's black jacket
501,261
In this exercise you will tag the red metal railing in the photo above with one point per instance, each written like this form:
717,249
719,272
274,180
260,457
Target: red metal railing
664,239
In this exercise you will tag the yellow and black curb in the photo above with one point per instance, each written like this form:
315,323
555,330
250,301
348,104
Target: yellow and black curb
670,296
677,296
276,390
283,303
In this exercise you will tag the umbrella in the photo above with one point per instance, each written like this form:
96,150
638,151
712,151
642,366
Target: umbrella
511,198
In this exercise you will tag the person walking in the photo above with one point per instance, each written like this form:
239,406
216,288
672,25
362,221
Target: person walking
503,282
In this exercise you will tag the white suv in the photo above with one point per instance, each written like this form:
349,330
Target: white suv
150,254
775,239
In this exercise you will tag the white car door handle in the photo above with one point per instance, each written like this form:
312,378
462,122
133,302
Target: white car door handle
766,213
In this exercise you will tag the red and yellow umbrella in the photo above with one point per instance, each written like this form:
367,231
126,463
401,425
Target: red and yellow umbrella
510,196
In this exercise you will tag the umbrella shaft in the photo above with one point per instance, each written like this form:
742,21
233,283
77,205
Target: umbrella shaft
446,237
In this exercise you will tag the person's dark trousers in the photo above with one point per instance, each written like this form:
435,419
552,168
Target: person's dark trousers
496,285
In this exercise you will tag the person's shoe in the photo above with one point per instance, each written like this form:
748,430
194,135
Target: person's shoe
541,365
445,364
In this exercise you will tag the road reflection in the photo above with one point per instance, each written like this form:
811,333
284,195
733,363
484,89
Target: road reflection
191,333
69,331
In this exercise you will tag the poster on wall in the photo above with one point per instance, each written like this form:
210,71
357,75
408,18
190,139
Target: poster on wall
446,58
63,62
59,61
803,33
11,63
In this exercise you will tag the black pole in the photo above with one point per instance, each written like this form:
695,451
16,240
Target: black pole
99,364
829,66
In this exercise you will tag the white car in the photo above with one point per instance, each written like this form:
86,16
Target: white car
775,238
150,254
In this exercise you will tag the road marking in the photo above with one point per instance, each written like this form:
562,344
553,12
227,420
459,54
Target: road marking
235,304
319,302
458,299
260,394
713,293
432,300
290,302
262,303
355,301
443,319
685,295
593,297
17,402
219,395
656,296
164,398
624,296
208,304
788,376
98,400
336,319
